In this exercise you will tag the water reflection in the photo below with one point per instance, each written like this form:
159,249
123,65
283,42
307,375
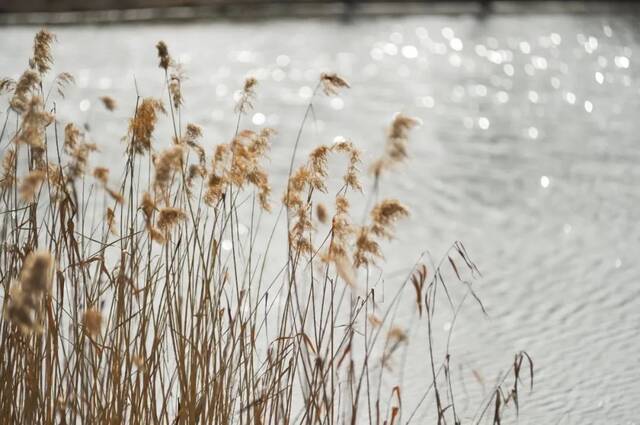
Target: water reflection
528,154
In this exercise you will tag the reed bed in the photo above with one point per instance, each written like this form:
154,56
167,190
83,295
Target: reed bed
165,310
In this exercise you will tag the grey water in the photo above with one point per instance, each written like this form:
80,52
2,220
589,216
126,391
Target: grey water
527,153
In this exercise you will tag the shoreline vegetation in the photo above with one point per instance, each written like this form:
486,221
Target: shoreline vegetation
164,312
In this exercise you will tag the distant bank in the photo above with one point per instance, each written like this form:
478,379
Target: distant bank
65,12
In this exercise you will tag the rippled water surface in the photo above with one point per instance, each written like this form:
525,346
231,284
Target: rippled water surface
528,153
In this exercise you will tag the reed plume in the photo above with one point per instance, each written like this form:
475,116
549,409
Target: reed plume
26,293
30,184
385,214
143,123
248,94
27,84
166,164
169,301
169,217
42,58
163,55
109,103
92,320
9,162
332,83
396,146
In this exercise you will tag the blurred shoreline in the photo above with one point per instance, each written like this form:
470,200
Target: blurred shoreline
229,10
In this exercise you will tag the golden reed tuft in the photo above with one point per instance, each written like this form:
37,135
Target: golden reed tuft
396,146
109,103
248,94
191,306
331,83
25,295
42,58
163,54
143,123
27,83
321,213
166,164
385,214
169,217
9,162
101,174
31,184
92,321
37,272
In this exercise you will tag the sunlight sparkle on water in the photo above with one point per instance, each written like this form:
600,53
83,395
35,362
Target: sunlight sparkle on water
545,181
456,44
426,102
502,96
258,118
305,92
599,77
508,69
390,49
337,103
621,61
396,37
483,123
588,106
376,54
409,52
447,33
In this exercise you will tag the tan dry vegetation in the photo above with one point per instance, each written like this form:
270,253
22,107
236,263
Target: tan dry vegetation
146,320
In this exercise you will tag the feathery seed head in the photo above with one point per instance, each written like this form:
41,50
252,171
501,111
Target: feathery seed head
109,103
27,83
331,83
30,184
245,103
367,249
169,217
143,123
92,321
167,162
42,59
148,206
101,174
396,146
9,162
321,213
163,54
36,274
385,214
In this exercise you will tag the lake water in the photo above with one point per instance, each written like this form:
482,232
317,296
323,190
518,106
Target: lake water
528,153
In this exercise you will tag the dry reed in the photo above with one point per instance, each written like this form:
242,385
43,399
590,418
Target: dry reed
169,314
